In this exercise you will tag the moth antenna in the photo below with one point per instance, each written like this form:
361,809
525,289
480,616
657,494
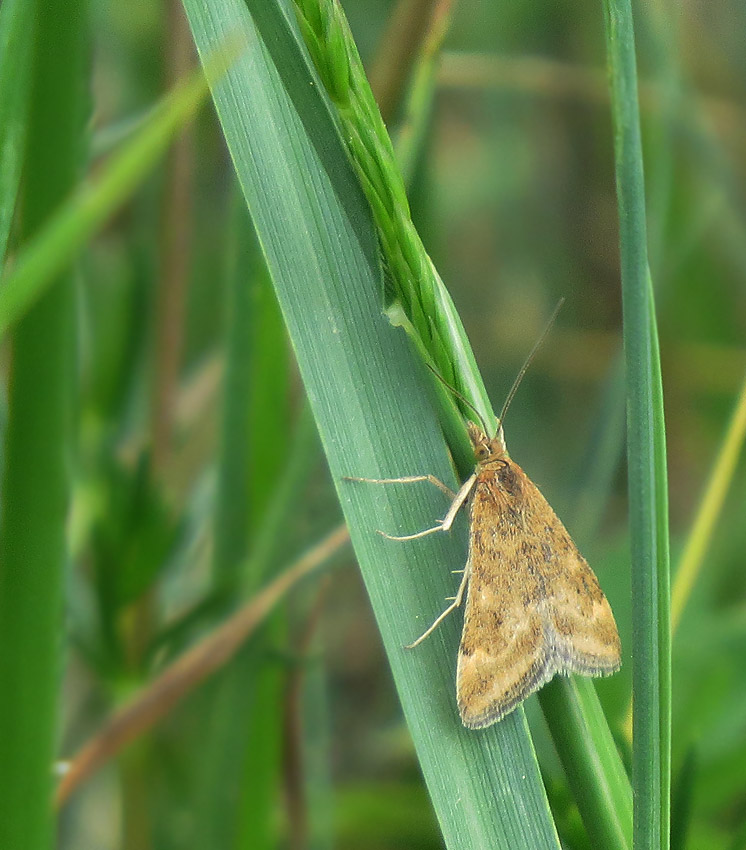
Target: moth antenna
527,362
461,397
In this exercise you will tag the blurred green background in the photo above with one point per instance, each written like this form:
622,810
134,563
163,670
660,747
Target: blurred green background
299,741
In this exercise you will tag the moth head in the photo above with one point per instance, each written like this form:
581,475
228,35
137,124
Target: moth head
486,448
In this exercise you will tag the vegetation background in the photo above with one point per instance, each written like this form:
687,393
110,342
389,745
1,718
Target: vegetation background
197,474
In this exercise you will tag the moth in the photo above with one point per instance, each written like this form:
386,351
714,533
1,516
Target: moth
534,608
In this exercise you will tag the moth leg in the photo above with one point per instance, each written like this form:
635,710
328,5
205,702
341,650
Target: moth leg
416,536
457,600
446,523
409,479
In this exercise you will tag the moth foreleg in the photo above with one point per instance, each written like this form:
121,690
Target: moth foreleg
409,479
445,525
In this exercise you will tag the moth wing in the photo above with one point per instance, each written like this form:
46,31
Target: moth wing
534,608
581,627
502,657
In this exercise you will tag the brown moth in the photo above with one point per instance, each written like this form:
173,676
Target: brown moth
534,608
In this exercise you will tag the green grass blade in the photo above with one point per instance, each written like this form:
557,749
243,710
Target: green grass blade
661,580
38,445
370,400
16,33
647,478
590,759
54,247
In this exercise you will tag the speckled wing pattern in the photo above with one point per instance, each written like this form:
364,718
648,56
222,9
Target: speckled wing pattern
534,608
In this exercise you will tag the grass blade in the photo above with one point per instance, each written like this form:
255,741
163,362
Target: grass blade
647,474
590,759
374,414
38,444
